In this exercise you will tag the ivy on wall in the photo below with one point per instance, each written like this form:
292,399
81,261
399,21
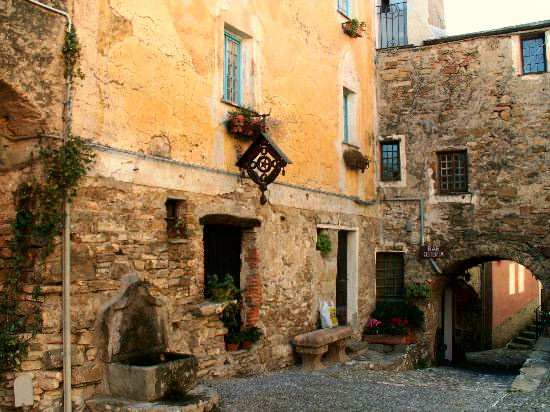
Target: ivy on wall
39,219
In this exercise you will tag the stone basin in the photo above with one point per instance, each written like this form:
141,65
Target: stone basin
152,377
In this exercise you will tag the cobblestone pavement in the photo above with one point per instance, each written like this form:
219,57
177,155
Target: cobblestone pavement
349,388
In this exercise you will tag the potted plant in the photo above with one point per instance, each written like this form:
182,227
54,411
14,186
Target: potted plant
246,122
354,159
250,336
221,290
232,341
392,323
354,27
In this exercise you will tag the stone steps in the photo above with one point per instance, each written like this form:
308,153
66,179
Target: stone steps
528,334
525,340
520,346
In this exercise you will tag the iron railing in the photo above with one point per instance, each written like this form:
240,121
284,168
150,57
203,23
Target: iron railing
542,321
392,23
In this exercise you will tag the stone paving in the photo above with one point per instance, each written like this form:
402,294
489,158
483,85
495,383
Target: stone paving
355,388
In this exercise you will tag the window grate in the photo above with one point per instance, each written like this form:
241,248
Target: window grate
390,271
453,173
391,163
232,69
534,56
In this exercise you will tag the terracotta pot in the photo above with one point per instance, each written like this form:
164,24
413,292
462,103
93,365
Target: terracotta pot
386,339
347,26
231,347
246,344
410,337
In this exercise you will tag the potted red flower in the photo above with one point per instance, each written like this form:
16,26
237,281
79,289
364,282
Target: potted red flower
246,122
354,28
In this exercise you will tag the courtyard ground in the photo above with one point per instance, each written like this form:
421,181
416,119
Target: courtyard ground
353,388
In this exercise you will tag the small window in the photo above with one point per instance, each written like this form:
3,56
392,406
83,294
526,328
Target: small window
232,69
171,210
344,6
453,172
391,164
390,275
349,100
534,56
346,117
384,6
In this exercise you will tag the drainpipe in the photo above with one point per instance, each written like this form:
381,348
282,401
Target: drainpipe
66,242
422,234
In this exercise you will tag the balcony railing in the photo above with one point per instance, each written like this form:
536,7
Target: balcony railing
392,23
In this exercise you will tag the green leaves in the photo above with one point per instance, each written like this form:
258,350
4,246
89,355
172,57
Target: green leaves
39,218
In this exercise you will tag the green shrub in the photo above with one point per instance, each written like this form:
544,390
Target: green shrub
416,290
324,244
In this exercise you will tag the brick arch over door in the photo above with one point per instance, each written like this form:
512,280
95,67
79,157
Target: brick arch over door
473,254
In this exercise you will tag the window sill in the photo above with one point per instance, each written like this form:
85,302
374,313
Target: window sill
351,145
235,105
533,74
344,14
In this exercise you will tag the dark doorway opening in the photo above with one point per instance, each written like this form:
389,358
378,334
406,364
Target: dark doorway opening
342,278
222,252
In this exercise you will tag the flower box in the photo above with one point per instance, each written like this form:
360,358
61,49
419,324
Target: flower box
354,28
386,339
246,126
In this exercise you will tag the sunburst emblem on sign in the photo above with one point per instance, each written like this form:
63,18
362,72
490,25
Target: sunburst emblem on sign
263,161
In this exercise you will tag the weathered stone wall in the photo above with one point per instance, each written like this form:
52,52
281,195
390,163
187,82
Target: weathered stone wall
119,227
467,95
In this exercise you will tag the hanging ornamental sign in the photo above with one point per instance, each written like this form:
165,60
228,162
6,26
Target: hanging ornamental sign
263,161
433,251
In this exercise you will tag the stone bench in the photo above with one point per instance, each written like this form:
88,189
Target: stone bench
313,345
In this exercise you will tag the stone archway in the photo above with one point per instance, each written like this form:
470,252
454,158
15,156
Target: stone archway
532,258
21,123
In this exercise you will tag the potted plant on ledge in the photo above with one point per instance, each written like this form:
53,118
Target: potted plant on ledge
354,28
246,122
232,341
250,336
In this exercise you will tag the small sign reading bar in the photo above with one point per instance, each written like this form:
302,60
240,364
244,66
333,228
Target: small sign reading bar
433,251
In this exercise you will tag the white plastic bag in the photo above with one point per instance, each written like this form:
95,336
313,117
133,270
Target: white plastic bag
327,310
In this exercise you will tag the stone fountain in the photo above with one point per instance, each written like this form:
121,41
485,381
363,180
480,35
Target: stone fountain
140,372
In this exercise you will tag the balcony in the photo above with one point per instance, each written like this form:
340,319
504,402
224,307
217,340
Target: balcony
392,24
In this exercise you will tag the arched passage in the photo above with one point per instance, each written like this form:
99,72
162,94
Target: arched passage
21,123
487,303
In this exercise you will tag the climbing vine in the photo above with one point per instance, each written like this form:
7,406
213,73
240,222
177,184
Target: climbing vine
71,53
39,219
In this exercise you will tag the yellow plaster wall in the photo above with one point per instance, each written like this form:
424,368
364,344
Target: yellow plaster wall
155,68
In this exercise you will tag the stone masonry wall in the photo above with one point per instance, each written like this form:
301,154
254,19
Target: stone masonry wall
120,228
467,95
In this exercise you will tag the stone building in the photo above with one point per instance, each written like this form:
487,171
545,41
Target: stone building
463,154
160,79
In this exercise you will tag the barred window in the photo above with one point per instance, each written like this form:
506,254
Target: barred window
232,69
390,273
534,56
344,6
453,172
391,164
